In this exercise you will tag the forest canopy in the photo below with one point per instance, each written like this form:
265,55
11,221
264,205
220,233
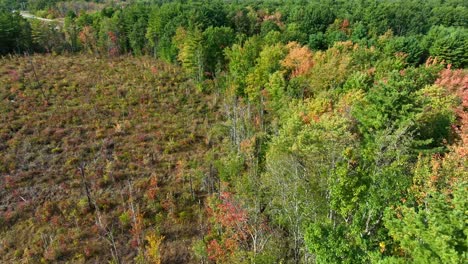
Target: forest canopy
234,131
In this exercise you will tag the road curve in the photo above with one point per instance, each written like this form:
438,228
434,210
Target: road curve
26,14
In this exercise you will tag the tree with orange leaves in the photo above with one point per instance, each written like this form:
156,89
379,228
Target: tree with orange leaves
298,61
229,219
87,37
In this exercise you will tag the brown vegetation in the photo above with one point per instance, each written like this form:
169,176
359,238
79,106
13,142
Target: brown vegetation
90,152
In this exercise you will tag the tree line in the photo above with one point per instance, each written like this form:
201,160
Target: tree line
418,28
345,121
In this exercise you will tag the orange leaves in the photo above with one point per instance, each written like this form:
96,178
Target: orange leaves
329,69
87,38
231,215
432,62
215,251
275,18
137,229
153,188
113,49
231,218
247,146
112,36
299,60
456,81
307,118
169,205
344,25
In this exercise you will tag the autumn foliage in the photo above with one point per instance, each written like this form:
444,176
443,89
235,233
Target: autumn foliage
230,218
299,60
456,81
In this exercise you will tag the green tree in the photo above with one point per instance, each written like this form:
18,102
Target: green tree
430,226
300,163
15,33
242,59
135,23
71,31
448,16
313,18
191,51
47,36
215,40
267,63
110,36
268,26
205,14
163,22
245,21
449,44
137,37
410,46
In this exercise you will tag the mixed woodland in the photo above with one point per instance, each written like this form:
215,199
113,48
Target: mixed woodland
274,131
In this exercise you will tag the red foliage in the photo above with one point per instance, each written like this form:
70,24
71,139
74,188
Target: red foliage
112,37
179,170
95,229
114,51
456,81
137,230
87,37
169,205
153,188
14,75
215,252
344,25
22,205
232,219
88,251
8,214
134,243
231,215
55,220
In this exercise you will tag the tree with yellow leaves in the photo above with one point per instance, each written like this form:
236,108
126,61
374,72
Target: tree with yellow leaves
153,252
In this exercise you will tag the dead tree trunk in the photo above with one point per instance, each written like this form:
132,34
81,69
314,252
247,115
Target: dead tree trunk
81,168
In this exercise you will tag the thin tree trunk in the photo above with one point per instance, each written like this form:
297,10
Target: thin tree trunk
85,186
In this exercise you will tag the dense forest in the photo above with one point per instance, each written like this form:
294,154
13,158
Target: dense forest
274,131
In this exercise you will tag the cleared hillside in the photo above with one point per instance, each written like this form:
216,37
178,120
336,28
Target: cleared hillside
131,132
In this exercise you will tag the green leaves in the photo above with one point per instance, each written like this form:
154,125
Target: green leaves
241,61
434,230
15,33
215,40
267,63
201,53
410,46
332,244
191,52
449,44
